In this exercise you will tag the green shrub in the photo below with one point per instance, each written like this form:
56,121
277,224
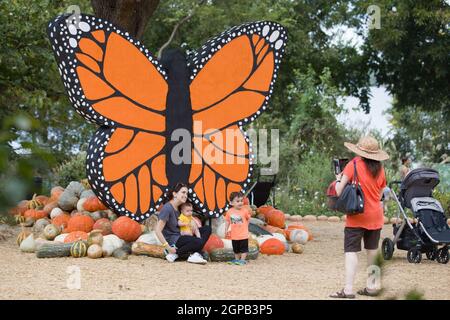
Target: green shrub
72,170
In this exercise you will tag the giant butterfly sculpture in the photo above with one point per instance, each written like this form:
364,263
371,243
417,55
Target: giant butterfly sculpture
138,102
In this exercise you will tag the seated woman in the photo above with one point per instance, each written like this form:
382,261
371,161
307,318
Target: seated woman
168,231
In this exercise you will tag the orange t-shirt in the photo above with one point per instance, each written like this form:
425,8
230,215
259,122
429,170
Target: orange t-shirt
372,218
238,219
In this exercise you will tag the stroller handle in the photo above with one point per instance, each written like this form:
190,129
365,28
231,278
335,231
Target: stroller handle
395,182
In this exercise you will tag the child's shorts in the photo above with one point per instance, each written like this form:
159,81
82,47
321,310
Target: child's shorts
240,246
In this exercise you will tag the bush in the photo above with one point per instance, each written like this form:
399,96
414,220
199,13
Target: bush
72,170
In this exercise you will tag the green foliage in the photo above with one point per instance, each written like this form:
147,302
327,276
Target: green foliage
414,294
444,199
71,170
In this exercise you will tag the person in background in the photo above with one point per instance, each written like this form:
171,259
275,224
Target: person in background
368,224
405,167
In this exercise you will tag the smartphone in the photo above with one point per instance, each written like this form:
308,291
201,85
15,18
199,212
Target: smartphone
339,165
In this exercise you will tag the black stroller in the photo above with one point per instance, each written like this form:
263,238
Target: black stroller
429,229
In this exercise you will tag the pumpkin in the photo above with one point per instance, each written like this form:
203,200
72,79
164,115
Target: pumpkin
96,215
55,193
54,250
275,218
92,204
297,248
295,226
87,193
20,209
149,238
39,225
80,223
61,220
214,242
264,210
78,249
263,238
28,244
95,237
51,231
28,222
55,212
334,219
34,203
110,243
120,254
152,250
272,247
299,236
126,229
42,199
94,251
61,237
104,225
76,236
36,214
22,236
69,198
224,254
112,217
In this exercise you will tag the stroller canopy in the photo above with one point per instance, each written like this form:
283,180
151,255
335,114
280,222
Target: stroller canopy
418,183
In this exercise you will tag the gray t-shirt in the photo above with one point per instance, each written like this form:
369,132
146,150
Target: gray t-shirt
171,231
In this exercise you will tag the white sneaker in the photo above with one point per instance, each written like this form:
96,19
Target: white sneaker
171,257
196,258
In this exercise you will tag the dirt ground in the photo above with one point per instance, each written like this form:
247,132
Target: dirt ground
312,275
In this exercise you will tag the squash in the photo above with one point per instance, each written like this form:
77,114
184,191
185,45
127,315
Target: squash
126,229
28,244
76,236
253,228
50,206
22,236
95,237
96,215
78,249
80,223
297,248
295,226
35,204
95,251
120,254
273,229
55,193
263,238
264,210
29,222
51,231
149,238
20,209
55,212
92,204
87,193
275,218
20,219
54,250
214,242
61,237
152,250
272,247
223,254
36,214
112,217
111,242
40,224
334,219
104,225
61,220
299,236
69,198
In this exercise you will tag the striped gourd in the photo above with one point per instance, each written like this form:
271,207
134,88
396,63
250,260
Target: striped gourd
78,249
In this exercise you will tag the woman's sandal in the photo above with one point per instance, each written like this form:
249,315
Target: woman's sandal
366,292
342,295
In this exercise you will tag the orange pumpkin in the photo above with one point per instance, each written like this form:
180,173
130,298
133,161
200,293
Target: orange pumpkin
273,229
272,247
297,226
42,199
61,220
80,223
264,210
276,218
92,204
35,214
50,206
126,229
214,242
55,193
76,236
104,225
20,209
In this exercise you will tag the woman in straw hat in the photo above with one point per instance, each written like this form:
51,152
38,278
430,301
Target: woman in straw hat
367,225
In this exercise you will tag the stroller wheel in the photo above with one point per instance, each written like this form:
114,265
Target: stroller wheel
387,248
414,255
442,255
432,254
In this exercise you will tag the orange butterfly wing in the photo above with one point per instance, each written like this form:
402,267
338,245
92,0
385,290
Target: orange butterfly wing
114,82
231,84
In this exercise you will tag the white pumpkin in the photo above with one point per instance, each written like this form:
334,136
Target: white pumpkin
282,238
149,238
262,238
95,251
80,204
227,244
299,236
218,227
55,212
28,245
61,237
111,242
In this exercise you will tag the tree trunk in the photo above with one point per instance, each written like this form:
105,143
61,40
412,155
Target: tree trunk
130,15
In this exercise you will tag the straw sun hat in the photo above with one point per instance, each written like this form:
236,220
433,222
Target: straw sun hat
368,147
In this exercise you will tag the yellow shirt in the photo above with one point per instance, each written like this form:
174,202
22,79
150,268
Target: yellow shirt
185,219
